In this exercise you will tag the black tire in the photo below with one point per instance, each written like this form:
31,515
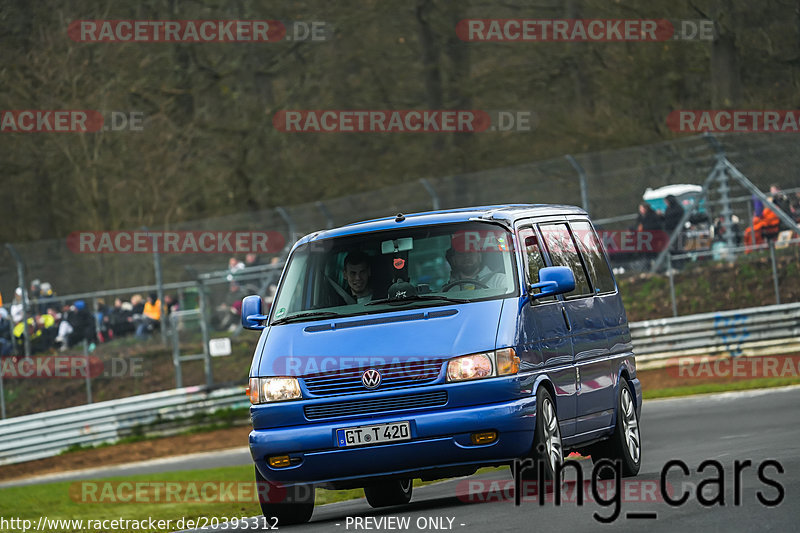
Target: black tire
300,509
625,444
394,492
547,446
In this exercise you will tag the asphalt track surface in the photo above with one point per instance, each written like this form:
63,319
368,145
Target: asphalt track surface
753,425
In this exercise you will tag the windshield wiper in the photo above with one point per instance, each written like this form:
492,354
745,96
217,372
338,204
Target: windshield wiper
418,298
308,314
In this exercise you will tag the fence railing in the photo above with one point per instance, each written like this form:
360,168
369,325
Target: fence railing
40,435
757,331
744,332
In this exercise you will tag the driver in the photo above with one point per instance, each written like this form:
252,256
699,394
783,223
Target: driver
468,265
356,274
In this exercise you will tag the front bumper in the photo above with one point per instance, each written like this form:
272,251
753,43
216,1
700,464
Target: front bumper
439,438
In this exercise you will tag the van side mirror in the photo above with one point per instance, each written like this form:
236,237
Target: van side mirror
252,317
552,281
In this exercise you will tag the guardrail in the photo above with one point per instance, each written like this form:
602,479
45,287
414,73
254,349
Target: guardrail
40,435
657,343
757,331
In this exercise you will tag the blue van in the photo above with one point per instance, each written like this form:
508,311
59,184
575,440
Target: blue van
432,344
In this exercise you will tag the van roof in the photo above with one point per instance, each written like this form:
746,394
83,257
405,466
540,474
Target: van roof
504,212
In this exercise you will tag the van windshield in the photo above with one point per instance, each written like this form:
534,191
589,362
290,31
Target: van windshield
396,269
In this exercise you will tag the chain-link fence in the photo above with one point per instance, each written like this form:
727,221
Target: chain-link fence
609,184
615,181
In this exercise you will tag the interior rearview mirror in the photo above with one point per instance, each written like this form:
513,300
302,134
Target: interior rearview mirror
397,245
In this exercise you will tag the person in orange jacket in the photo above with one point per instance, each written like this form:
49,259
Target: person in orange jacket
151,316
766,225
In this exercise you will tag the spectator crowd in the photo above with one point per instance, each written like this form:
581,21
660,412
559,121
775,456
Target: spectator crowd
55,325
765,225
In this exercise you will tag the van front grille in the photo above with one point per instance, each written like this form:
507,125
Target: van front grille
376,405
393,376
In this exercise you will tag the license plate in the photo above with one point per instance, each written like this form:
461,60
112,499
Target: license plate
377,434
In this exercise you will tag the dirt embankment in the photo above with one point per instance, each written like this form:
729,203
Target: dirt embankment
708,287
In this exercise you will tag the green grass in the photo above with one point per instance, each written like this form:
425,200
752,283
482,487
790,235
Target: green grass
707,388
61,500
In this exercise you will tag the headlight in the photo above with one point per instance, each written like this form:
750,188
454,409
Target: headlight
482,365
474,366
264,390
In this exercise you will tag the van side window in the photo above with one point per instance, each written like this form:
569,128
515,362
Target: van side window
593,256
563,252
533,256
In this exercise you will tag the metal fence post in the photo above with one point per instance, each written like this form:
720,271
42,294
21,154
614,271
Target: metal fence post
671,274
432,192
204,330
289,226
24,287
726,212
583,181
774,271
98,324
87,371
752,225
176,353
2,397
160,291
327,214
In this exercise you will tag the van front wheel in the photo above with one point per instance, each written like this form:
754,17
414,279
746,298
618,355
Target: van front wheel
547,448
395,492
300,509
625,444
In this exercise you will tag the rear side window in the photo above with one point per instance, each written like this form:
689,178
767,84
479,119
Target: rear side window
593,256
563,252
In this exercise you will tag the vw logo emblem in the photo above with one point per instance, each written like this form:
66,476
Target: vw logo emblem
371,378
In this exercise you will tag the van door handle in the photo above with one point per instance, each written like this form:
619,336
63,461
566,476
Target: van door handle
566,319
